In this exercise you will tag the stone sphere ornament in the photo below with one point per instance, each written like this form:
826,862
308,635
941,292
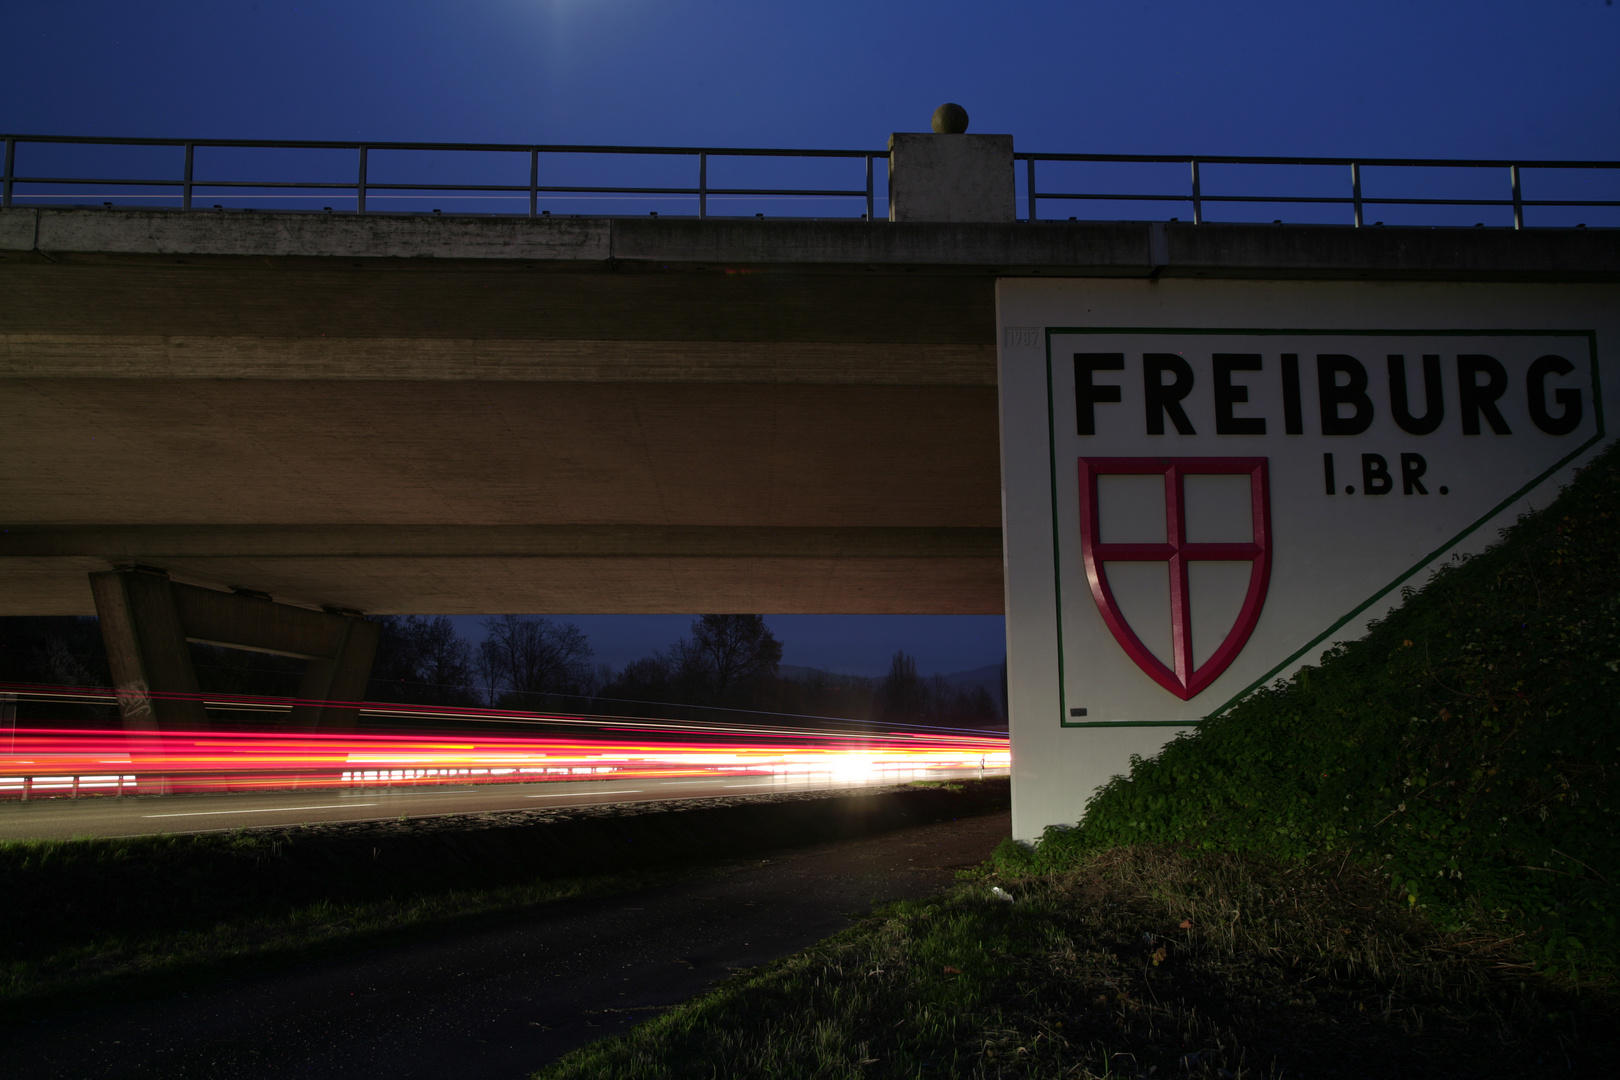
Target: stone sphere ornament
950,119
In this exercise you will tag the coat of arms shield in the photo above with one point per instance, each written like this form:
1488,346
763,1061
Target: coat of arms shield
1184,679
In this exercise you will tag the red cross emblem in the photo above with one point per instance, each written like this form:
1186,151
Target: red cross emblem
1185,681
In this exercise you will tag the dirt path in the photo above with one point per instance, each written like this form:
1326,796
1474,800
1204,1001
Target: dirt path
499,1001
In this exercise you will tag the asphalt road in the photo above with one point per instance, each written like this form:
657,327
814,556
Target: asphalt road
494,1002
102,815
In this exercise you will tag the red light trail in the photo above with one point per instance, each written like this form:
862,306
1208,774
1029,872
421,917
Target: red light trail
37,761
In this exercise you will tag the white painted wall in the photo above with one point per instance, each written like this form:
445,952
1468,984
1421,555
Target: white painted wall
1330,553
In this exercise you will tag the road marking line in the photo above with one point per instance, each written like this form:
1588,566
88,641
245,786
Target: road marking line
266,810
412,792
571,794
721,783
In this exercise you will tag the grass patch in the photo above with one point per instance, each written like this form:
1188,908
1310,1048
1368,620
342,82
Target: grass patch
99,918
1132,962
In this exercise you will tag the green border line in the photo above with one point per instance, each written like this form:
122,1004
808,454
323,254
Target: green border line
1057,548
1057,555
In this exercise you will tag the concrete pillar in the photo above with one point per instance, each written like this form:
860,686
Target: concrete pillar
147,650
330,684
148,622
951,177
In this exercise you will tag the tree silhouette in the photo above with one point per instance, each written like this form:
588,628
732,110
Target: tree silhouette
733,656
422,660
906,697
524,654
902,695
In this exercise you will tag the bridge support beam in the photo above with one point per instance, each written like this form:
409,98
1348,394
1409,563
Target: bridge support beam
148,623
147,651
331,683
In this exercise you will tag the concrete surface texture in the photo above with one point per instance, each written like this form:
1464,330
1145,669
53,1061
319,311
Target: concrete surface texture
955,177
487,414
147,621
502,998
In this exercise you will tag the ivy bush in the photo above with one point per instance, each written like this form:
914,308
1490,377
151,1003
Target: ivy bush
1467,747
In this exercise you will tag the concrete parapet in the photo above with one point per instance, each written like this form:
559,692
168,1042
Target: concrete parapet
951,178
409,236
985,248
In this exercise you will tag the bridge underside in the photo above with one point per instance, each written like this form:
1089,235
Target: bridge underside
484,415
467,497
475,438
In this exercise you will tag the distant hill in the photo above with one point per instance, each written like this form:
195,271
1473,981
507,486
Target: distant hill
796,671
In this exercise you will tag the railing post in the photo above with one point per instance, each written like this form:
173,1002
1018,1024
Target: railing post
703,185
1029,173
11,168
360,187
185,188
1518,199
871,208
534,182
1198,196
1355,189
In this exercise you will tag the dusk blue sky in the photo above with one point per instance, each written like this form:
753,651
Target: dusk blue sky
850,644
1468,78
1294,77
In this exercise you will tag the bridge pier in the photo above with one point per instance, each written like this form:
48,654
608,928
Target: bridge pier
148,623
146,649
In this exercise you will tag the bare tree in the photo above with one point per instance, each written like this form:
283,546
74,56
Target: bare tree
524,654
902,696
905,696
735,656
650,678
60,650
422,659
487,666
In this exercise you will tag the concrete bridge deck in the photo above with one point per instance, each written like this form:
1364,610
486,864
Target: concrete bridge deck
489,414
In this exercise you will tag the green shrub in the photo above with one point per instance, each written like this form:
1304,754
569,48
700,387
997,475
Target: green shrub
1467,747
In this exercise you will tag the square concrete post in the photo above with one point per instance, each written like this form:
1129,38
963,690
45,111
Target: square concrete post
951,178
147,650
342,678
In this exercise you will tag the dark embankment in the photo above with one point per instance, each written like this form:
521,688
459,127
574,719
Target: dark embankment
1467,748
93,915
1135,962
1401,863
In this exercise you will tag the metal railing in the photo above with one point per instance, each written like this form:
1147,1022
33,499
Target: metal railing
69,785
188,184
1355,199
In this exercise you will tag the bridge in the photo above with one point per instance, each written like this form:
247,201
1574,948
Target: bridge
348,411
